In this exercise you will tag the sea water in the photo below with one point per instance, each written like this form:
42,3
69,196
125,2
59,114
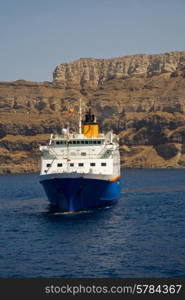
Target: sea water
143,235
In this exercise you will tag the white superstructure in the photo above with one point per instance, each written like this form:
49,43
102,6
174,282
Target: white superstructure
76,154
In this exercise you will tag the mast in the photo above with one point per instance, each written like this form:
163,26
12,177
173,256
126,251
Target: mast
80,117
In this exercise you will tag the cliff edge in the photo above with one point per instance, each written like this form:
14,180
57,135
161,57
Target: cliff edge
141,97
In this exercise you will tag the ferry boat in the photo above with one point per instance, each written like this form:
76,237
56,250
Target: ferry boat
81,171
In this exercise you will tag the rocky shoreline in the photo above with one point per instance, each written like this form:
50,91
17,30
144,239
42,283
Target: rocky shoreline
140,97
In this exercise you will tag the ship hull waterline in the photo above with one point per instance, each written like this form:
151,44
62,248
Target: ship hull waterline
79,194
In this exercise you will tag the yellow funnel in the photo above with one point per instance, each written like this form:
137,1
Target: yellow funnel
90,130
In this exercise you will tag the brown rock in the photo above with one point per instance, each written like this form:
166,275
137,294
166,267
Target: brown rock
140,97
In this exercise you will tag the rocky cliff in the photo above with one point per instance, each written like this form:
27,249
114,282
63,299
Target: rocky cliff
93,72
141,97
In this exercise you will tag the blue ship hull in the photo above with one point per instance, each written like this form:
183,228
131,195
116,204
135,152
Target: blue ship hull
77,194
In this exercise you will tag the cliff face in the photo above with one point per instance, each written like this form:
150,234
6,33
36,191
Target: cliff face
92,72
141,97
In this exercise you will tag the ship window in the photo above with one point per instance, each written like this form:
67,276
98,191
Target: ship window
71,165
103,164
83,153
78,142
92,164
99,142
80,164
90,142
86,142
48,165
94,142
74,142
82,142
59,165
57,142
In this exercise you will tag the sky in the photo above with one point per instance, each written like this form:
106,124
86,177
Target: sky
38,35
